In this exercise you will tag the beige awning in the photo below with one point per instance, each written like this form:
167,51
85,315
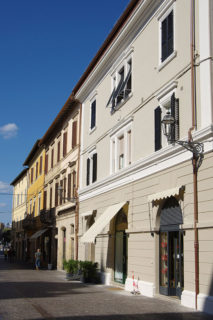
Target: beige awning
165,194
86,214
38,234
101,223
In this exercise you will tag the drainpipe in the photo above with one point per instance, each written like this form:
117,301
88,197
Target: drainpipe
194,159
77,187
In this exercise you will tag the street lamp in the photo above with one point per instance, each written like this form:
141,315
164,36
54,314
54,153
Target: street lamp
197,149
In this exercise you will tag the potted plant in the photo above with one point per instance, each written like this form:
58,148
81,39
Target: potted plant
71,267
89,271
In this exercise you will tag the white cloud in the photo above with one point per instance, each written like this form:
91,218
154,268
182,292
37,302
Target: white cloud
8,130
5,187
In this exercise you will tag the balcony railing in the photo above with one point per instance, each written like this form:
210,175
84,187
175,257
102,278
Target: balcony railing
47,217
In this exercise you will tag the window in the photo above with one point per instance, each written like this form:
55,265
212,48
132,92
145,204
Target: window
91,176
39,204
46,163
93,115
59,150
74,134
56,194
40,167
64,144
122,84
168,103
52,158
51,196
36,170
121,151
45,200
167,38
31,175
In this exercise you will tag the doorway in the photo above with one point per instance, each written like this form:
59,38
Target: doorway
121,246
171,262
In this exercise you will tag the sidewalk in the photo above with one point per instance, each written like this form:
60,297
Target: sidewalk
45,294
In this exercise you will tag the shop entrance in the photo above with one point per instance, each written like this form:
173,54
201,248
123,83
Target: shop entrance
171,249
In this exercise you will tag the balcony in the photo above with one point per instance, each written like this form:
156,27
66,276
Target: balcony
47,217
29,222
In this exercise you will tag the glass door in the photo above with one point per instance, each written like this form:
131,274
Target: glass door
171,263
120,256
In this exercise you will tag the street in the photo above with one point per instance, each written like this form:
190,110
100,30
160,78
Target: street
26,293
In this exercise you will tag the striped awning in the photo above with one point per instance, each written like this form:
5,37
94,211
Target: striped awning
165,194
102,221
38,234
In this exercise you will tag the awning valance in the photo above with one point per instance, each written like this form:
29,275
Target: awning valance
165,194
86,214
38,234
101,223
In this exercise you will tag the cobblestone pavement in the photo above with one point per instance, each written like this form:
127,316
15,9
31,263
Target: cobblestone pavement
45,294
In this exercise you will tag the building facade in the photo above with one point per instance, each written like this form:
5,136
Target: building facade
137,189
19,211
61,143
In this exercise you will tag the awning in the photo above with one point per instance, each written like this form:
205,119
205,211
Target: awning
86,214
101,223
165,194
38,234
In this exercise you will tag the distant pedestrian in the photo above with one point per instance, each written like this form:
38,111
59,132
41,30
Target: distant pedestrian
5,254
37,259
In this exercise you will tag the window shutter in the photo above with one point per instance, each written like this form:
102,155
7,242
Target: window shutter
69,186
61,192
50,198
45,200
74,134
167,35
73,183
88,171
46,163
56,194
93,114
65,190
52,158
94,167
40,167
175,114
64,144
36,170
158,129
59,149
31,175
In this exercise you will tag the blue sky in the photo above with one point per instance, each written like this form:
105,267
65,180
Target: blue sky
45,46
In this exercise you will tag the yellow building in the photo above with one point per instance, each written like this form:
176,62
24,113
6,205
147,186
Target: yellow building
33,225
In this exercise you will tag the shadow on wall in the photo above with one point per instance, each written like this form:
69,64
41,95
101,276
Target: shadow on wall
208,304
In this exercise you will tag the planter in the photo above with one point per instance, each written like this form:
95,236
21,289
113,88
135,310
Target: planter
50,266
73,276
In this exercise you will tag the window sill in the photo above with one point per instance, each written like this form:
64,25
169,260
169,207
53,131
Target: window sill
119,105
92,130
165,62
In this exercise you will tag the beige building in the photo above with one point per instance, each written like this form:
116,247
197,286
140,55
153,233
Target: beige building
19,211
61,143
137,193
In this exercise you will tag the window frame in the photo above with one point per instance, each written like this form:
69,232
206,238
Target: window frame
91,177
170,7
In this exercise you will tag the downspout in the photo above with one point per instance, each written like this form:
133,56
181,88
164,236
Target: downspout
194,159
77,187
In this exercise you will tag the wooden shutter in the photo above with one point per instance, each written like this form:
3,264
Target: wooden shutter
46,163
73,183
175,114
65,190
93,114
51,198
56,194
167,35
158,145
94,167
69,186
45,200
31,175
52,158
40,167
64,144
88,171
61,193
74,134
36,170
59,149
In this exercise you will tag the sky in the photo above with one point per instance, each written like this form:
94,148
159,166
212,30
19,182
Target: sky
45,46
